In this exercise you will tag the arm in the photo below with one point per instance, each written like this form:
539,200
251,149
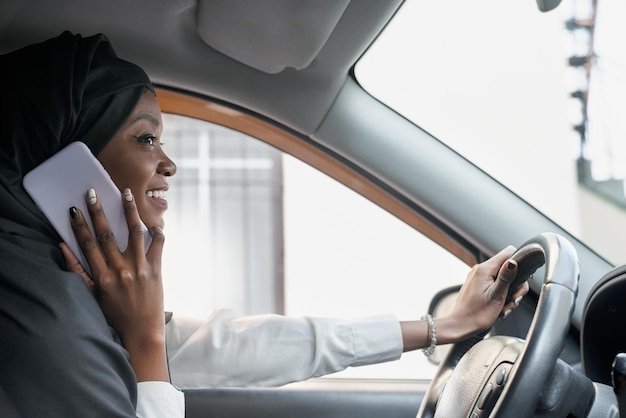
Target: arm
129,290
271,350
229,349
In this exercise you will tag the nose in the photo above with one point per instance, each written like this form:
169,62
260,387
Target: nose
166,167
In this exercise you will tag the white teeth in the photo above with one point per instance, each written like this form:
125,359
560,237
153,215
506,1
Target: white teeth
159,194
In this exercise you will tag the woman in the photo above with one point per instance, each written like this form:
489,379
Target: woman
54,325
59,356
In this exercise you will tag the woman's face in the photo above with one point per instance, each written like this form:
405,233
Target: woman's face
135,159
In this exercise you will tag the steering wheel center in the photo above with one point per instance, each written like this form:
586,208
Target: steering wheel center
479,378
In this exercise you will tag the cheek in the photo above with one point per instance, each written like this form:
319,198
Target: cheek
115,170
124,174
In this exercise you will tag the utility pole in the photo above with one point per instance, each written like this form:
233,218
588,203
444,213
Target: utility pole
583,63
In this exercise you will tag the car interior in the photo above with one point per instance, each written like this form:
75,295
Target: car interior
283,72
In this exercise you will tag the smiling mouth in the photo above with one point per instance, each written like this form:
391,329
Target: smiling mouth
157,194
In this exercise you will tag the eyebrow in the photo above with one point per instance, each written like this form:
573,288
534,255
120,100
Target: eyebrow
148,117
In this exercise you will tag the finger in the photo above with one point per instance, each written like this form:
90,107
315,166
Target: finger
104,235
496,262
86,241
136,242
74,265
517,297
155,251
505,276
507,272
521,291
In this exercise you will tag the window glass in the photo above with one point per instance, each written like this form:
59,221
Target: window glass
489,87
256,230
492,80
224,221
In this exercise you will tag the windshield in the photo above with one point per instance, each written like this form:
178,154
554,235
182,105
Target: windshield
524,96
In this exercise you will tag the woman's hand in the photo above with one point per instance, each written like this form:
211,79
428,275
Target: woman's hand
482,298
478,305
128,285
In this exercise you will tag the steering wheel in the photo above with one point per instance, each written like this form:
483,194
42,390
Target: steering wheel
503,376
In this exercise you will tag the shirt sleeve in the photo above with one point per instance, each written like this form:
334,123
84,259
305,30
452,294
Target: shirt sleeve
272,350
159,400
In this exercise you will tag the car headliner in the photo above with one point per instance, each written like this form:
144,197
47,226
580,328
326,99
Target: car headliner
168,45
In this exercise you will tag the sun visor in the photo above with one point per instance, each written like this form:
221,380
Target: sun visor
290,33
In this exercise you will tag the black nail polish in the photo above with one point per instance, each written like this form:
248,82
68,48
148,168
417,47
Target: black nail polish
73,212
510,265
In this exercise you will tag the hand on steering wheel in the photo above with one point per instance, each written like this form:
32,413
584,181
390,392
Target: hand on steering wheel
483,297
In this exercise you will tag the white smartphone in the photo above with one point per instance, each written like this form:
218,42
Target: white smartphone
62,181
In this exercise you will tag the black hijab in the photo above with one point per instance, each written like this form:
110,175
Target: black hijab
58,357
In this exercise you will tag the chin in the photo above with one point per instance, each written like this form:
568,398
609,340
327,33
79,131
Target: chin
156,222
150,224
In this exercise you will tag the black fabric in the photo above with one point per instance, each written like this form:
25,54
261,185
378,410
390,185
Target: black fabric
58,357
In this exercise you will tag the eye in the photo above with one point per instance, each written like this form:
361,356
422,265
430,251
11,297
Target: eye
147,139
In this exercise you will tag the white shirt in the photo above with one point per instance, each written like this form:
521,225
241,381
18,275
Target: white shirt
229,349
159,400
263,350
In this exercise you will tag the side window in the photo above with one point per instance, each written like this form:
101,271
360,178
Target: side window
256,230
224,221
